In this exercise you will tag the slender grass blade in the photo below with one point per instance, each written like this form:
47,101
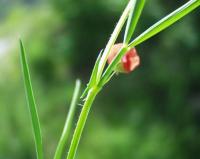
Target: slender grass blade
112,40
166,22
134,16
31,104
68,124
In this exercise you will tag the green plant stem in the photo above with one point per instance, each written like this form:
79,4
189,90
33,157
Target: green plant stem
68,124
112,39
133,18
31,103
81,121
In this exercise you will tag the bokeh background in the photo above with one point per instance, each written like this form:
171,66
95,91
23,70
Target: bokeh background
153,113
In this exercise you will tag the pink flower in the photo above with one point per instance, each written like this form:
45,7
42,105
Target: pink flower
128,62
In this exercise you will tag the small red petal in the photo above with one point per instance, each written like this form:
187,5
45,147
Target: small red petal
130,60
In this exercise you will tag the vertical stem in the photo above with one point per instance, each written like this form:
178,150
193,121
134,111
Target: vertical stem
132,22
81,121
112,39
127,35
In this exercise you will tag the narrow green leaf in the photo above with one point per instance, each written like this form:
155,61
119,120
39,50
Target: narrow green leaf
166,22
32,105
68,124
93,78
112,40
137,7
83,95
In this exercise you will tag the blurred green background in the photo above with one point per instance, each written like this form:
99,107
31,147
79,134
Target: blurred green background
153,113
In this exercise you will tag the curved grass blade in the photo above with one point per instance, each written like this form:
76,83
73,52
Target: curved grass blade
32,105
68,124
137,7
166,22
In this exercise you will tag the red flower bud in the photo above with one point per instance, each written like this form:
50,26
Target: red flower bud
128,62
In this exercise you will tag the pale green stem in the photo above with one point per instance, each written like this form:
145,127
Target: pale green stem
81,121
113,38
68,124
133,19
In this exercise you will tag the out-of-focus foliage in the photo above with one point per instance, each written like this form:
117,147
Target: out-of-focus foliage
152,113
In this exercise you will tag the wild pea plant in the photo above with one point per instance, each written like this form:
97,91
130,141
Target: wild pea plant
101,74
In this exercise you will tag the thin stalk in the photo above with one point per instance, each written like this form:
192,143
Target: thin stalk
68,124
113,38
133,19
81,121
166,22
31,103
